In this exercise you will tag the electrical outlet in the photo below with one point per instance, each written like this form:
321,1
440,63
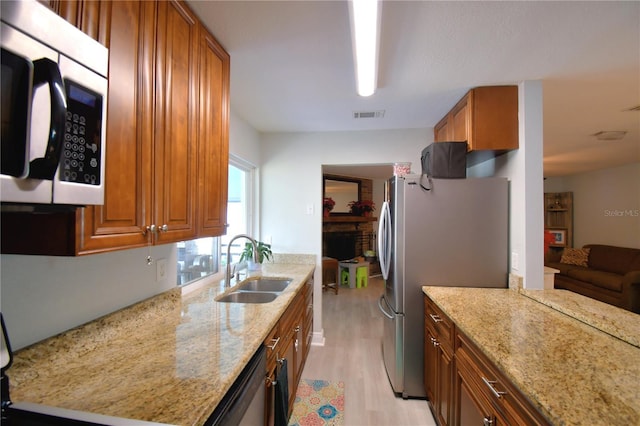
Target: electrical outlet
309,208
161,269
514,261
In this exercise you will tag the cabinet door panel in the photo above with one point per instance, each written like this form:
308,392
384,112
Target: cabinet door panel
430,366
460,120
441,131
445,382
119,222
213,137
175,174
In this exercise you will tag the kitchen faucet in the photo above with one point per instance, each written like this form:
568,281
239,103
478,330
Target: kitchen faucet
228,275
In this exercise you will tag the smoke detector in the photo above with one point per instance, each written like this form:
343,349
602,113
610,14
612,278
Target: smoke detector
610,135
368,114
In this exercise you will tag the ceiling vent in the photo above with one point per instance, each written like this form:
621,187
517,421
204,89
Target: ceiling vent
368,114
611,135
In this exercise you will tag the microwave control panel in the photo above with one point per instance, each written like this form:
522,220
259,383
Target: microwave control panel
82,145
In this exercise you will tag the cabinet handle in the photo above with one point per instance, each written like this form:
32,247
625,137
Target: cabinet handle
270,382
154,229
297,329
274,343
435,318
434,342
487,421
295,344
490,384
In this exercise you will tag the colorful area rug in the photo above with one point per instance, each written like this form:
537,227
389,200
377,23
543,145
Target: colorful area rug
318,402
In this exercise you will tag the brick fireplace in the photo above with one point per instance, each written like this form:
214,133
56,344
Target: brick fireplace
346,236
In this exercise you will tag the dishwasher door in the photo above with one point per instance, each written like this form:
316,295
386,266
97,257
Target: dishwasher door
243,404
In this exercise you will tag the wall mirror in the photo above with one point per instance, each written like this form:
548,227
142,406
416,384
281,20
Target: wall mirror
342,191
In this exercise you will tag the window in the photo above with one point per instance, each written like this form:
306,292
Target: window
207,256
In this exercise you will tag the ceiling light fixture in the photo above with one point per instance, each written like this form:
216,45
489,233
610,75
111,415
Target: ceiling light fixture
365,38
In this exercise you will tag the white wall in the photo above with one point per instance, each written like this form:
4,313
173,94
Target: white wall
606,205
44,295
244,140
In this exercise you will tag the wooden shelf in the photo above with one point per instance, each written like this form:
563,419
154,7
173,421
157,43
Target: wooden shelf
559,215
349,219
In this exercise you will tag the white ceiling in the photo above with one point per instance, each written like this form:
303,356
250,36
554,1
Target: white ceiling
292,67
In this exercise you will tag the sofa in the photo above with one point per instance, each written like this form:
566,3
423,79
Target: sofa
606,273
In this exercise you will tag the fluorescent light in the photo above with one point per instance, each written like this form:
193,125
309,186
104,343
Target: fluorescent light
365,36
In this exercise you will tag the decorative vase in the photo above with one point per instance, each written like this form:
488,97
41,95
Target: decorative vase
326,212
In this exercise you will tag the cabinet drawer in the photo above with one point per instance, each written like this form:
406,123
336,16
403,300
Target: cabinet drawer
508,401
440,324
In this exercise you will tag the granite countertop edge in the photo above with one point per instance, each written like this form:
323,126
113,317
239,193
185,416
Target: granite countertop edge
168,359
567,368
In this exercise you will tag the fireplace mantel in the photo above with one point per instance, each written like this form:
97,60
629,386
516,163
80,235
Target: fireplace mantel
349,219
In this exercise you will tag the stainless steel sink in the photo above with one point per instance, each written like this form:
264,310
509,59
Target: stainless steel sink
248,297
265,284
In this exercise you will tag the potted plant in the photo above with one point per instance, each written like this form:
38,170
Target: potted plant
362,208
264,252
327,206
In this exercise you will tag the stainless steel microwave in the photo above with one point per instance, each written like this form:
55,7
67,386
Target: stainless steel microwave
54,109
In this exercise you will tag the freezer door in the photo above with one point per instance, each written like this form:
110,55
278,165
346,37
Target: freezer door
394,284
392,345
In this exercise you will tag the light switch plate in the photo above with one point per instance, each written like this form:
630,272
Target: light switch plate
161,269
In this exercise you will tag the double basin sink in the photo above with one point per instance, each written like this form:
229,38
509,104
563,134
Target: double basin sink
257,290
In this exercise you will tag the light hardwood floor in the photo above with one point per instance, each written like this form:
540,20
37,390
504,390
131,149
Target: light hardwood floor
352,353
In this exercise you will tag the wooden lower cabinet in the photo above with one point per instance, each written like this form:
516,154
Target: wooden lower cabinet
438,362
463,386
288,341
507,404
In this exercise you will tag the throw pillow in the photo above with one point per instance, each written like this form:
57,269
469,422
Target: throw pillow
573,256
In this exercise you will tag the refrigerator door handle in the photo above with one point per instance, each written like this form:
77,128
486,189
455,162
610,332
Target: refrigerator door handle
386,314
384,240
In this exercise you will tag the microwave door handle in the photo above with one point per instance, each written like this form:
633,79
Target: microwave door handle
45,71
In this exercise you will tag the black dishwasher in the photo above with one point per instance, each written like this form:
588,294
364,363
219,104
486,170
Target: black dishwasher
244,403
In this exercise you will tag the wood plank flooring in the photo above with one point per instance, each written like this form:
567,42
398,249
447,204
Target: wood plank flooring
353,354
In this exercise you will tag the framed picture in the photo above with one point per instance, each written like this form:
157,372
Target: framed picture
559,237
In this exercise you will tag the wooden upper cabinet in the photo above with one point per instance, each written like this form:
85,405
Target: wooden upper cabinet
213,136
127,209
167,134
486,118
441,131
89,16
176,137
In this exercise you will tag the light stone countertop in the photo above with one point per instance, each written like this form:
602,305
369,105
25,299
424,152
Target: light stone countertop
572,372
169,359
624,325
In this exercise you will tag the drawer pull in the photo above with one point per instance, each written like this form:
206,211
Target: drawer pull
490,384
435,318
270,381
434,342
487,421
274,343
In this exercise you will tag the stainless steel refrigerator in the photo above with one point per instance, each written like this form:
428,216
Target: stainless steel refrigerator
454,234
